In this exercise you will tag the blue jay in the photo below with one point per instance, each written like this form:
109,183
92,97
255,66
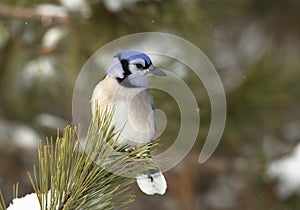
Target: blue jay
125,87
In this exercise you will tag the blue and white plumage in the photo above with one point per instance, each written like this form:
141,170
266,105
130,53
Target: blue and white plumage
125,87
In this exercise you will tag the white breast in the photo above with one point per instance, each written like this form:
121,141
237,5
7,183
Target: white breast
133,111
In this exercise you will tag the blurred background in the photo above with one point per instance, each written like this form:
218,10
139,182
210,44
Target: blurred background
254,45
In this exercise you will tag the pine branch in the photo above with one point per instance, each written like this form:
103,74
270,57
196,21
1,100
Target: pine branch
30,13
93,177
2,202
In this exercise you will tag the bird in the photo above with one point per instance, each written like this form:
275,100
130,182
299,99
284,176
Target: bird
125,87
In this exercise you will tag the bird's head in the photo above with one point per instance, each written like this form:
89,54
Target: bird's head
133,68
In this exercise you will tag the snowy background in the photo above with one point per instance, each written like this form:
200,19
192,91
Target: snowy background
254,45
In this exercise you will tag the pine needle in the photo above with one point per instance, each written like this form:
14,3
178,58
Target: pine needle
16,190
93,177
2,202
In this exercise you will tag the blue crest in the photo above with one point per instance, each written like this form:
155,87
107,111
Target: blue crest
131,54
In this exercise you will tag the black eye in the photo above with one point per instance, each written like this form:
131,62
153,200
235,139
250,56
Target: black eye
139,66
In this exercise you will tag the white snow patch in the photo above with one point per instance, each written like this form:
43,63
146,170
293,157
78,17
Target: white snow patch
25,137
53,36
287,172
29,201
118,5
51,10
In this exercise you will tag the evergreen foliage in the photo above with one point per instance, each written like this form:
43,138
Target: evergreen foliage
94,176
